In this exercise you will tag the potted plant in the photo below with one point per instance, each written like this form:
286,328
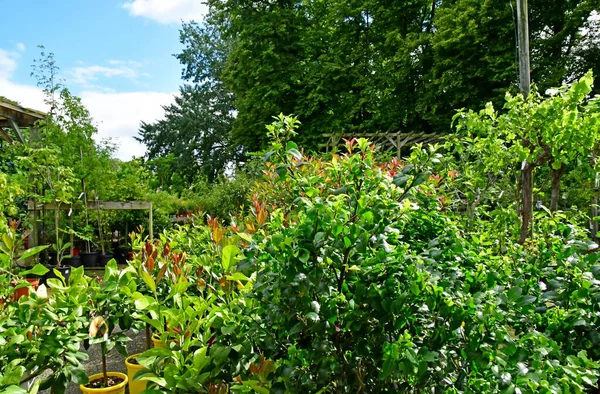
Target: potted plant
88,258
11,243
134,367
110,308
105,381
104,257
65,270
52,185
55,325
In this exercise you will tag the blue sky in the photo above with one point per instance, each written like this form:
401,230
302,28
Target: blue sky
115,54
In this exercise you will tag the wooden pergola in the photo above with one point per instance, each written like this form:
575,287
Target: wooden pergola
386,142
14,117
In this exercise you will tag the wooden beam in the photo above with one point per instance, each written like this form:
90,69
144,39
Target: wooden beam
5,136
15,127
107,205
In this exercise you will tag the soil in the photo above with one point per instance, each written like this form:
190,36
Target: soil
133,361
99,383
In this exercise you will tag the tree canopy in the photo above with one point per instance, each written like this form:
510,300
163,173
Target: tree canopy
355,66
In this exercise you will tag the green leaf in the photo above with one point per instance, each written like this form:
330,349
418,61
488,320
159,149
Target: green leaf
32,252
228,256
419,179
303,255
14,390
238,276
141,301
219,353
149,281
38,270
79,376
255,385
312,316
514,293
295,153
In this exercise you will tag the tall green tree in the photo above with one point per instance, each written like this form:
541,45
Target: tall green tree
196,130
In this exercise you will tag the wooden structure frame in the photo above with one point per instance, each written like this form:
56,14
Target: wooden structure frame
16,117
385,141
103,205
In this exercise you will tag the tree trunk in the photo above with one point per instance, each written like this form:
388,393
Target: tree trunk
593,220
56,220
527,200
555,196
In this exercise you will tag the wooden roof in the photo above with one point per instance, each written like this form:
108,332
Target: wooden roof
16,117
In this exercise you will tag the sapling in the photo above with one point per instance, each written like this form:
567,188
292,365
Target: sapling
98,325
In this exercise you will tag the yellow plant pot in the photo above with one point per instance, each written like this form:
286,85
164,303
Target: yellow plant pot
158,343
135,386
118,389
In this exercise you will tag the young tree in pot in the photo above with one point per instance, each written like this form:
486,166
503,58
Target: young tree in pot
105,257
55,180
110,309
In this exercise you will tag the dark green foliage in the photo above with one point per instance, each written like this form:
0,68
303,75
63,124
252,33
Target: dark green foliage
379,65
194,133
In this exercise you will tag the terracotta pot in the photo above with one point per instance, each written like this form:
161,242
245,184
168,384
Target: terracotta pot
24,291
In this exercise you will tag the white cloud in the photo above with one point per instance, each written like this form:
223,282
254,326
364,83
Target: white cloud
118,116
85,75
168,11
27,95
21,46
8,63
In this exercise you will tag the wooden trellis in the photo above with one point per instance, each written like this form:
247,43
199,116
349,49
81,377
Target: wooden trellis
386,142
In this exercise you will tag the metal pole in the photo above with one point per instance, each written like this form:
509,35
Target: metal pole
523,34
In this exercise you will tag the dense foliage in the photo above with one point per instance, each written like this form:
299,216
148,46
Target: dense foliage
345,274
356,66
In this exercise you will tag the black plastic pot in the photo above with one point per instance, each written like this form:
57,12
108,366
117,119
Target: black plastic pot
51,258
89,259
74,261
103,259
64,271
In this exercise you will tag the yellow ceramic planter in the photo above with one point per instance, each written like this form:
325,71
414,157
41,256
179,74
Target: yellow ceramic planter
158,343
118,389
135,386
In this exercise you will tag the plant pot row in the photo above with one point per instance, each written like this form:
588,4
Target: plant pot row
87,259
95,259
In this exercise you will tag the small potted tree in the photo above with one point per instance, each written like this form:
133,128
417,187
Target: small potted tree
110,309
104,241
51,184
104,382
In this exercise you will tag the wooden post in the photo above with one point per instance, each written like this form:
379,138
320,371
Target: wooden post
523,34
35,215
151,224
524,87
72,238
